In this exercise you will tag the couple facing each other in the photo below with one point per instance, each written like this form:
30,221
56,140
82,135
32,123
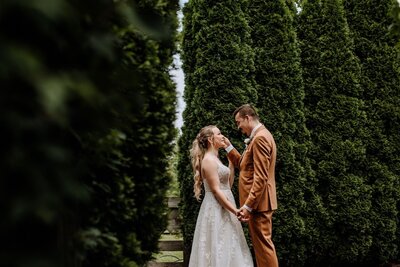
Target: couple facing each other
218,239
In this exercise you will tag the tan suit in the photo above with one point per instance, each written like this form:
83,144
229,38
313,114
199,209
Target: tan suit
257,190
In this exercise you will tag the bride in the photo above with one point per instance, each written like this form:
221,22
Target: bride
218,238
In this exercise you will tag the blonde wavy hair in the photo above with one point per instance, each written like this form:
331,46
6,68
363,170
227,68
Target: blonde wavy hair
199,148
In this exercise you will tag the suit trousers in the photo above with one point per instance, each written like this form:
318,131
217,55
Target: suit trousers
260,226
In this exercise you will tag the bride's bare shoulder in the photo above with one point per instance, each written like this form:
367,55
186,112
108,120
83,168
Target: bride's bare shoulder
209,161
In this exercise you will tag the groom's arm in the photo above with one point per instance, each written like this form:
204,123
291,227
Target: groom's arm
233,156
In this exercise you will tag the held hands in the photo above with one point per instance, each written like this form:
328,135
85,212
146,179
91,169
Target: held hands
243,215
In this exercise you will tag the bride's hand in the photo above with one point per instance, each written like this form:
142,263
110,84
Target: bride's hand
237,212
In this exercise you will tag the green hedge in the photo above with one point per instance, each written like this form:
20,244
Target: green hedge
218,64
325,76
369,22
336,119
280,90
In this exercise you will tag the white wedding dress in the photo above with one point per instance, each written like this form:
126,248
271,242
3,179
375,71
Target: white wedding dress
218,238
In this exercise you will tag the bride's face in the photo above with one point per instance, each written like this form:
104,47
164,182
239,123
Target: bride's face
218,138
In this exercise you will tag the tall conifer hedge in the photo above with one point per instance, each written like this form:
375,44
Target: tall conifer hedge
280,92
369,23
336,118
218,62
331,105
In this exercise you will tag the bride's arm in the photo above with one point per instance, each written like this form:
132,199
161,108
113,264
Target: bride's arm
210,170
231,173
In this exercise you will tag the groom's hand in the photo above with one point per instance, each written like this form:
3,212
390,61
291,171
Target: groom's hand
244,215
226,142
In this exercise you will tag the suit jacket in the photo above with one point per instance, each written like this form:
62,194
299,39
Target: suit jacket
257,172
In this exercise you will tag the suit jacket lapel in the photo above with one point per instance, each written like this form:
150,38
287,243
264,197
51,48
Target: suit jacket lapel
258,130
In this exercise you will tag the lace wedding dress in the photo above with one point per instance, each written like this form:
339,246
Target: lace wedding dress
218,238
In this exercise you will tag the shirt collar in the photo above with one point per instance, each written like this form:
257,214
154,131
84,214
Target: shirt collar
247,140
254,130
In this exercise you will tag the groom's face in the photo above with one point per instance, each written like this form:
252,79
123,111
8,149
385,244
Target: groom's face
242,124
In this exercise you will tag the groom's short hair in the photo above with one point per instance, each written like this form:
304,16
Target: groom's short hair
246,110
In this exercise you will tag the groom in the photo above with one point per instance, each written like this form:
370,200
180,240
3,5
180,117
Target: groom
257,192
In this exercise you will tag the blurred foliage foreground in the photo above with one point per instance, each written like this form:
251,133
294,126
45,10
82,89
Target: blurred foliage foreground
87,111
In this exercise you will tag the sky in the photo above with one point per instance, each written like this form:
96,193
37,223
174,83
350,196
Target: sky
178,77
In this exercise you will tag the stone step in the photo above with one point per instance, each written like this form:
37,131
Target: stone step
174,220
165,264
170,245
173,202
167,258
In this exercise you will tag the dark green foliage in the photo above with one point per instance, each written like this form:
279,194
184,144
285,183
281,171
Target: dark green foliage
87,112
188,211
395,26
369,22
218,63
395,31
336,119
148,140
280,100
